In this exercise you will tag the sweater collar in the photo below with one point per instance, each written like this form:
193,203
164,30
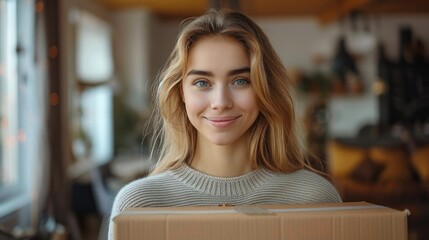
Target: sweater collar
222,186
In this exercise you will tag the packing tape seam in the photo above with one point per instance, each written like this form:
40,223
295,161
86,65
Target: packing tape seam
229,211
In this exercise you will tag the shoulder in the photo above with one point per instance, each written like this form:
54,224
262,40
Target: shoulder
139,193
307,175
311,186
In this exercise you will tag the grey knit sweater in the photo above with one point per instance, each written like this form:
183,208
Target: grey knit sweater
187,187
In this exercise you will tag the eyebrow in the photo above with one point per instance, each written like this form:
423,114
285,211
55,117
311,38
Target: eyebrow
210,74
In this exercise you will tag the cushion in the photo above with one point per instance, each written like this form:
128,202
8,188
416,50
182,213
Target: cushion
420,161
367,171
343,158
396,165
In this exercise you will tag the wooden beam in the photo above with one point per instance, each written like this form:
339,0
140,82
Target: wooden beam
174,8
341,9
399,6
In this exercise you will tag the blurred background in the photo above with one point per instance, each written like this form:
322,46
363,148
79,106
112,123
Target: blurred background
75,95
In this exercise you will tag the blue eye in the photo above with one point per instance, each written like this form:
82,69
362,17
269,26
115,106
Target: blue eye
241,82
201,84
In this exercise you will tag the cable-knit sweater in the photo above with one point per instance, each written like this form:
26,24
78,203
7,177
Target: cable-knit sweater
188,187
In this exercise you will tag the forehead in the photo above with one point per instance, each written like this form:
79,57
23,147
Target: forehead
217,50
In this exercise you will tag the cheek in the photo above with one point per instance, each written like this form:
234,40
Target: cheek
193,103
248,101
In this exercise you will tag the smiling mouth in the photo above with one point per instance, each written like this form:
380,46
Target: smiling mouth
221,122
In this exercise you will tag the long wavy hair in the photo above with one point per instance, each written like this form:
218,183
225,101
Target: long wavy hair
276,142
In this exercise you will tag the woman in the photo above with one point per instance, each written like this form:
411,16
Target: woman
226,128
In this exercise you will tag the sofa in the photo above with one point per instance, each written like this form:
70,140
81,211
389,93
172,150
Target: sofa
384,171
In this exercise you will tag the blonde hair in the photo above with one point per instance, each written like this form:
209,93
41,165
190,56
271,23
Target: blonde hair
276,143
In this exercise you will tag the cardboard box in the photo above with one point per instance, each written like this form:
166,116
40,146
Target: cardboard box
353,220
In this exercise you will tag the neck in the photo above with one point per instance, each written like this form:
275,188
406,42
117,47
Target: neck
222,161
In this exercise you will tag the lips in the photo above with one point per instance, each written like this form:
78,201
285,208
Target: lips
222,122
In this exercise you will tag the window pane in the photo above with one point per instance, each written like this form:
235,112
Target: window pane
97,122
8,99
94,54
93,125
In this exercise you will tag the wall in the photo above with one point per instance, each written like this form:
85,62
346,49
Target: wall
132,51
297,40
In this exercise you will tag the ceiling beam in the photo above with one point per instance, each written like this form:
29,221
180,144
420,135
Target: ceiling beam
173,8
342,9
399,6
325,10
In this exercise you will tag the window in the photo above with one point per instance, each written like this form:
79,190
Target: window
94,62
93,125
20,113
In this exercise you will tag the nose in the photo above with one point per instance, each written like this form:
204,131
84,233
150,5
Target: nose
221,98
